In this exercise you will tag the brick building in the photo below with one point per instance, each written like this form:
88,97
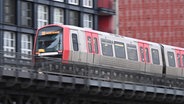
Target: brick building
159,21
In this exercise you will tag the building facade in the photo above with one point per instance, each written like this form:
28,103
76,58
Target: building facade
19,19
159,21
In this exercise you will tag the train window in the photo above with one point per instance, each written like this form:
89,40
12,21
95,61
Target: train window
142,54
155,56
183,59
171,59
96,45
147,55
119,49
106,47
179,60
89,44
132,52
75,42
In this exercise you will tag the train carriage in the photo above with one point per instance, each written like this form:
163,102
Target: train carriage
148,57
174,59
90,47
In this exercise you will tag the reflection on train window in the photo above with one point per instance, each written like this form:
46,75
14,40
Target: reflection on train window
179,60
75,42
106,47
119,49
155,56
132,52
96,45
89,44
171,59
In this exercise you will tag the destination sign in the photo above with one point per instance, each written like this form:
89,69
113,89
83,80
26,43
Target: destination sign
50,32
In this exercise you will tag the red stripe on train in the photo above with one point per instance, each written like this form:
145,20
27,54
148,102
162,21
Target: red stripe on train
66,32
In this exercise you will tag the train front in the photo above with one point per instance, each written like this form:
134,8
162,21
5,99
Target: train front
48,48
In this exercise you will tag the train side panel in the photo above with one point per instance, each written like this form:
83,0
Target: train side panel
107,54
171,63
150,57
120,52
74,46
133,55
82,47
156,65
92,46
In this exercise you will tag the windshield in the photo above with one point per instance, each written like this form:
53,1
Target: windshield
49,39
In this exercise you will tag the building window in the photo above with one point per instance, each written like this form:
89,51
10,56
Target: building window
88,20
42,15
88,3
74,2
107,47
74,18
58,16
59,0
26,45
9,44
9,11
26,16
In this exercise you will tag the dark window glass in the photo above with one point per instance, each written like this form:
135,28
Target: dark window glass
144,51
26,14
89,44
106,47
171,59
74,18
147,55
9,11
155,56
179,60
183,59
96,45
119,49
75,42
49,39
132,52
142,54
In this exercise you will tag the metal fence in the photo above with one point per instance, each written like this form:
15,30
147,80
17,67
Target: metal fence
14,60
48,65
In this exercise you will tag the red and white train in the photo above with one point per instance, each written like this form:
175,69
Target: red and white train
84,45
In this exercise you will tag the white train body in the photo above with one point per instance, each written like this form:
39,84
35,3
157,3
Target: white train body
99,48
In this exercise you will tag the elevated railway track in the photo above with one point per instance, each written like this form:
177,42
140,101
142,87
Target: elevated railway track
51,82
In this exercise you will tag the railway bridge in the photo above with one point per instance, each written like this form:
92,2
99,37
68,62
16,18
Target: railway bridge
51,82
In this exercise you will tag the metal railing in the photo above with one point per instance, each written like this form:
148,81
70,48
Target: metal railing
57,66
14,60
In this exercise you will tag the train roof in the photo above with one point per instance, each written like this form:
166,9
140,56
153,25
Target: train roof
173,47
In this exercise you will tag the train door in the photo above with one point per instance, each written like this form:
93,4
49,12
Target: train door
182,60
179,62
74,45
92,46
144,52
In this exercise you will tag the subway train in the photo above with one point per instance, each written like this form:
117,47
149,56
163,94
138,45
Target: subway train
84,45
